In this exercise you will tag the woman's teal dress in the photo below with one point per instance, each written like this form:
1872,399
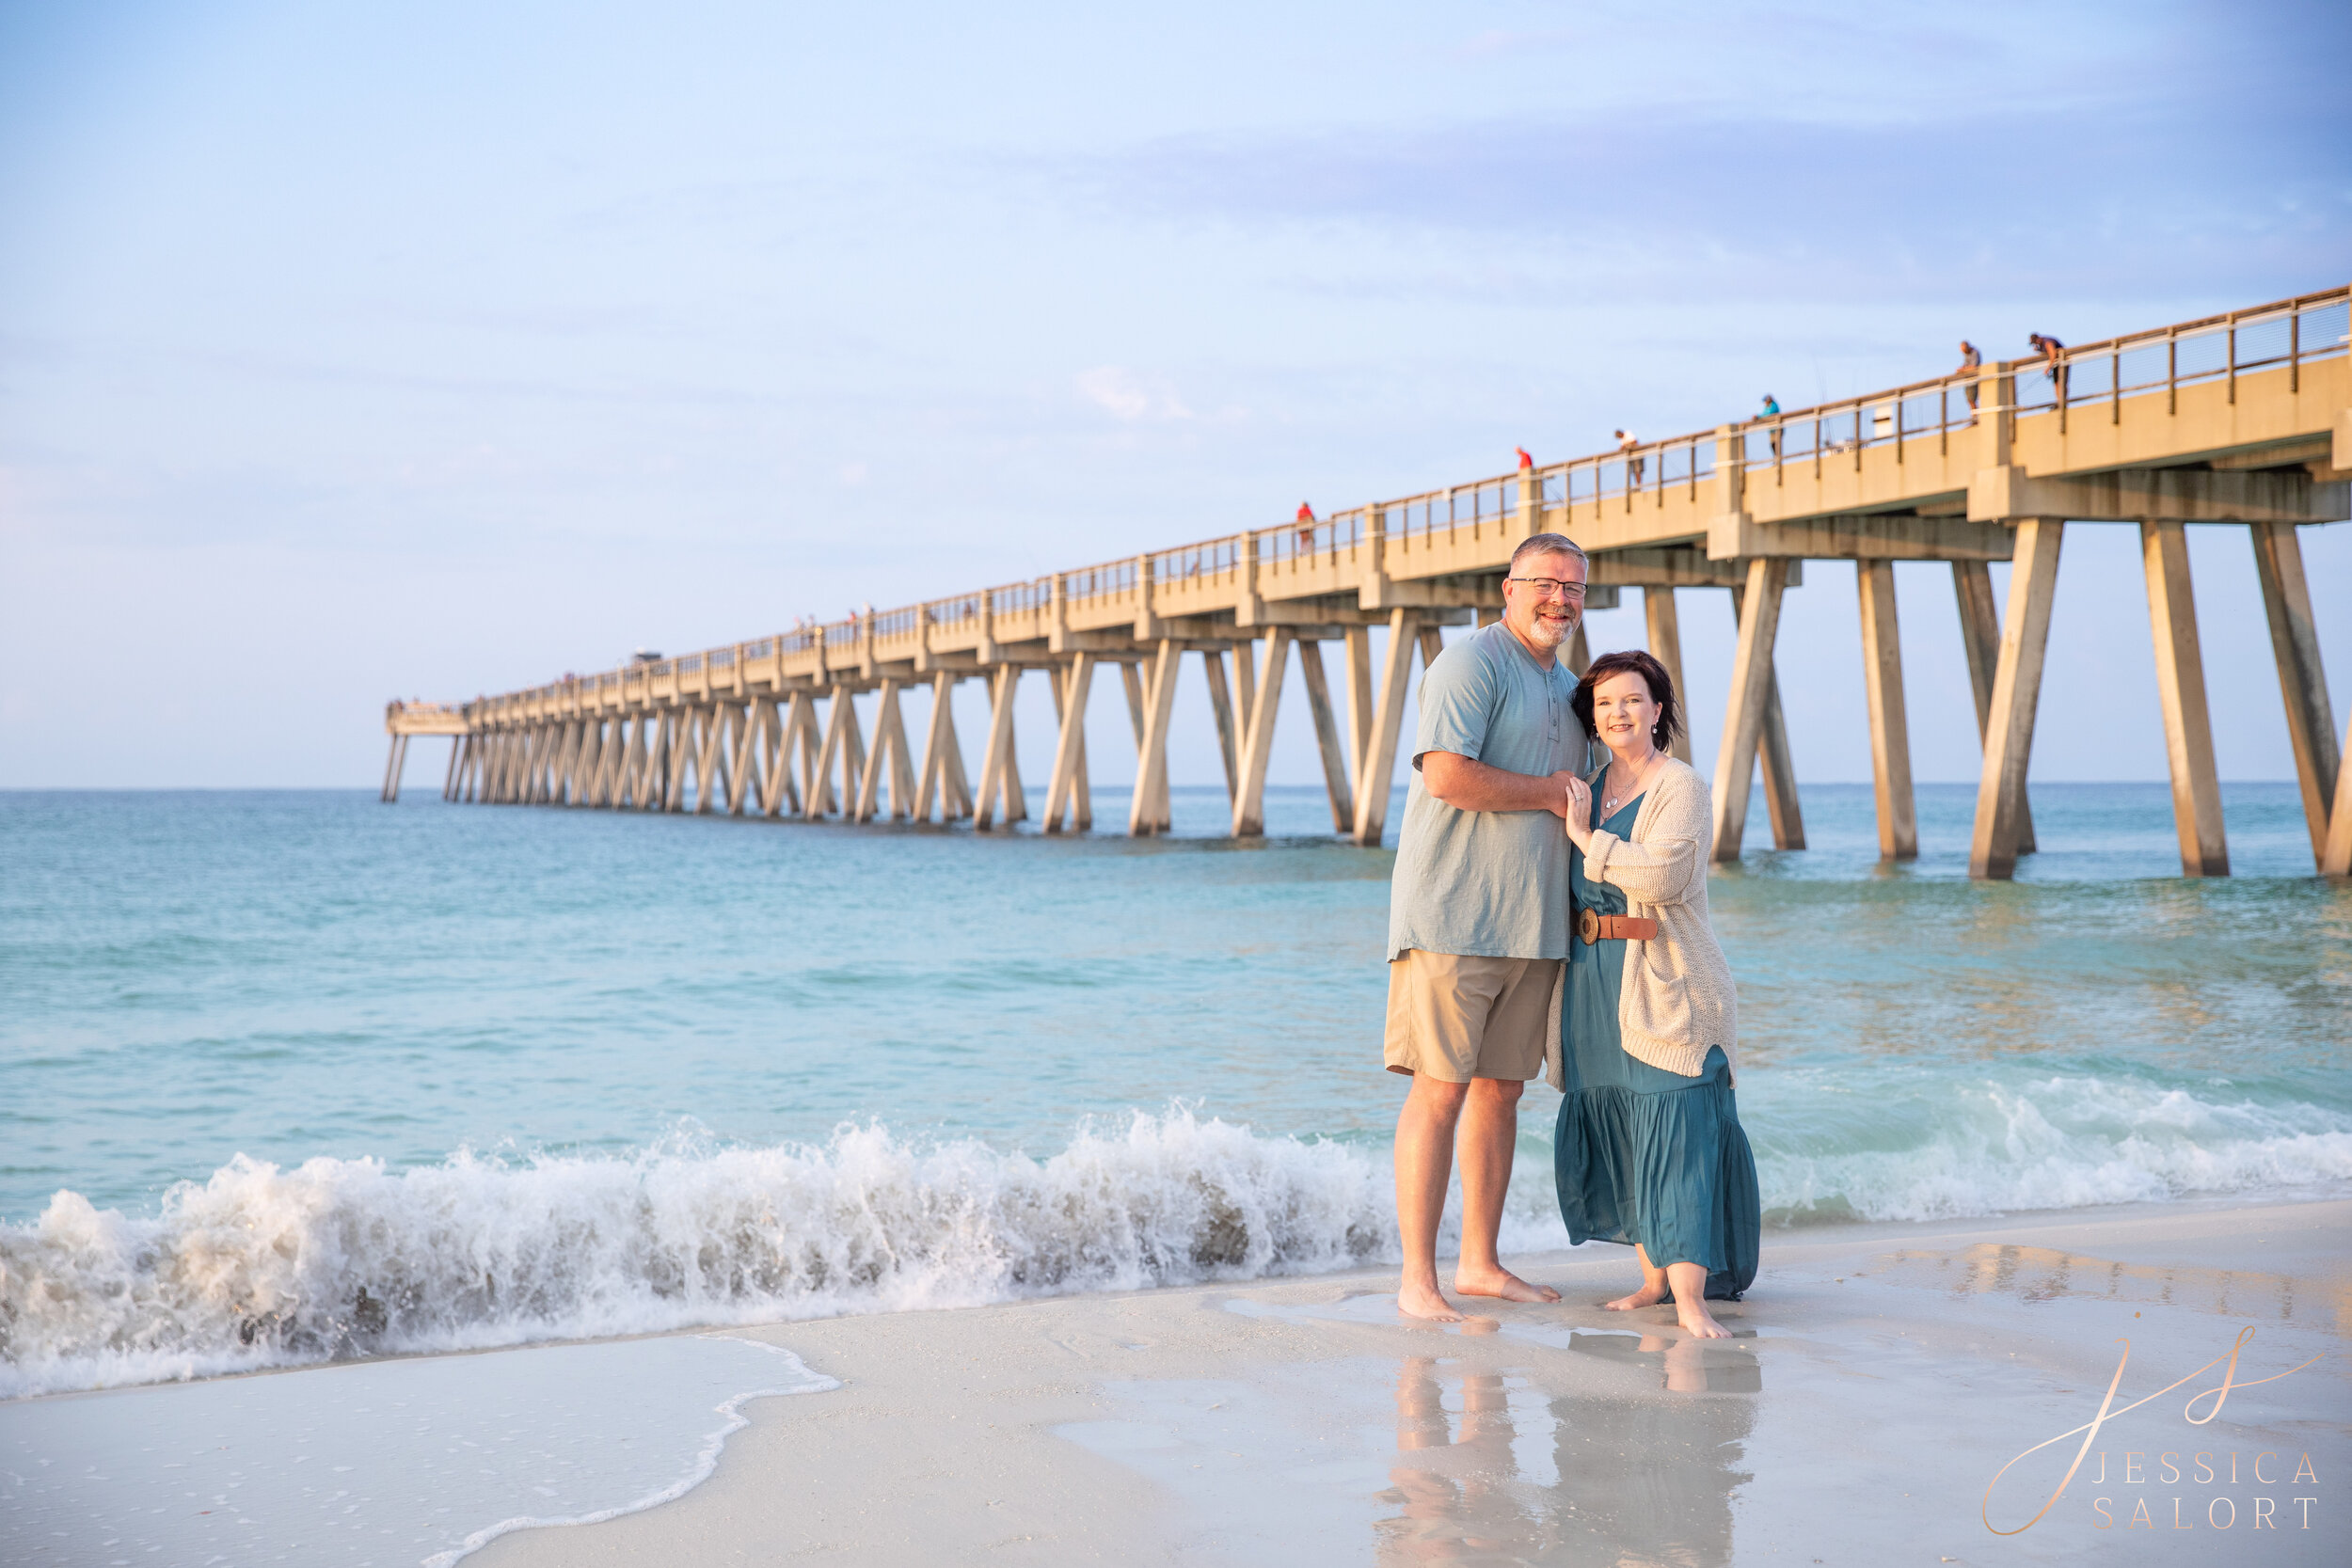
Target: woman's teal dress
1642,1155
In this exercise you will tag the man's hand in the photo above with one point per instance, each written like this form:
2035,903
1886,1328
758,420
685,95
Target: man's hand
1469,784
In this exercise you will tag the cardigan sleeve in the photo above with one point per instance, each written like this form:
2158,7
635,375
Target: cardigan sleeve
1659,868
1658,872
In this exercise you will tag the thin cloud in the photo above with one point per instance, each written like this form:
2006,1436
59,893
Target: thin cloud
1130,397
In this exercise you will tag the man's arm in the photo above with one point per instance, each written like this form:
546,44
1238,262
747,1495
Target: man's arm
1468,784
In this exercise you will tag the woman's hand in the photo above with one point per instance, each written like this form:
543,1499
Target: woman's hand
1580,814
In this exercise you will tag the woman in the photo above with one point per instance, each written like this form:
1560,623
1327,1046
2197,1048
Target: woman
1649,1150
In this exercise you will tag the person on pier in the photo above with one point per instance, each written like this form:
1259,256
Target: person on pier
1477,928
1648,1150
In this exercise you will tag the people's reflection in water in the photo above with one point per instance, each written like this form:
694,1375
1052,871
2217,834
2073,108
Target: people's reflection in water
1455,1472
1649,1480
1607,1477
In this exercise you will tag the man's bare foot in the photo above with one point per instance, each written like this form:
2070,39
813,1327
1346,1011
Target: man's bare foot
1423,1301
1698,1323
1501,1283
1648,1295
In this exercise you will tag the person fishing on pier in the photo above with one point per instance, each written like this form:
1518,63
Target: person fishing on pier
1477,928
2053,364
1628,444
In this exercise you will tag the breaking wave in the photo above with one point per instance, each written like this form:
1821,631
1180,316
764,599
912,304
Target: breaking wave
334,1260
262,1267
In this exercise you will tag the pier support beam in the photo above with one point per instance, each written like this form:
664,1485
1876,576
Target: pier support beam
1752,718
1664,628
1779,767
1066,790
558,765
788,738
745,777
1149,813
1890,731
1136,682
2180,689
1336,773
2016,693
2336,859
889,755
712,721
1358,643
852,757
1980,636
1003,687
1221,708
680,732
608,733
1257,743
1749,707
840,724
2302,680
1377,766
392,764
632,764
943,758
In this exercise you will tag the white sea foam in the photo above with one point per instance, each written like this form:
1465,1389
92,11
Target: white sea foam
261,1267
2066,1142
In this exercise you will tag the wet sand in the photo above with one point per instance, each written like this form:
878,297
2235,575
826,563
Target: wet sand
1879,1379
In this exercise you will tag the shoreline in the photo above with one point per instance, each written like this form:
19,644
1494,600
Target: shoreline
1827,1232
1243,1420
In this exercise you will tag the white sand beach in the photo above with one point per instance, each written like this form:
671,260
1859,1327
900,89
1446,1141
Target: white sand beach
1881,1377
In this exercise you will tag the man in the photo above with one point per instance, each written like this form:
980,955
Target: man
1628,444
2053,365
1478,917
1970,362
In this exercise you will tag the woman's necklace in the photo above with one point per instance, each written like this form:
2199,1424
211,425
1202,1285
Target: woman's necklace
1608,805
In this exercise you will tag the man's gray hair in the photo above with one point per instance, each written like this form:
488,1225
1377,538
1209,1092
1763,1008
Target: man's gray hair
1550,544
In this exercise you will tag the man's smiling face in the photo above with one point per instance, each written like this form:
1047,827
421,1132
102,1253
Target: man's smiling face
1543,620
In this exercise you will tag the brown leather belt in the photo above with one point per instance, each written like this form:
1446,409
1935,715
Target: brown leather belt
1593,926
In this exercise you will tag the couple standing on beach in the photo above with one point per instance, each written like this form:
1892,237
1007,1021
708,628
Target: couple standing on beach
1516,947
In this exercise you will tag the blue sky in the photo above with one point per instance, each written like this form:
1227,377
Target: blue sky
348,352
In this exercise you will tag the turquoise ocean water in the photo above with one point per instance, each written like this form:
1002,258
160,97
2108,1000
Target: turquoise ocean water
288,1076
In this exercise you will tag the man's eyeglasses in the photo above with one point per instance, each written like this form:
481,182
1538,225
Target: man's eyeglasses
1553,588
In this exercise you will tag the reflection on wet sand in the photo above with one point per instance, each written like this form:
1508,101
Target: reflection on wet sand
1459,1503
1686,1366
2035,1273
1490,1472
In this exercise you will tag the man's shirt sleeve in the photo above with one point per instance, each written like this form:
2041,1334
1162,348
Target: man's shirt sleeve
1457,703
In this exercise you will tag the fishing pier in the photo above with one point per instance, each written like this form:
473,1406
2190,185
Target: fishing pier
2240,421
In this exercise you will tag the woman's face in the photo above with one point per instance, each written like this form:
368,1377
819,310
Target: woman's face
1624,713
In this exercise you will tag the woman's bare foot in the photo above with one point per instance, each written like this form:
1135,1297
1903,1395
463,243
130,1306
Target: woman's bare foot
1697,1322
1650,1295
1423,1301
1502,1283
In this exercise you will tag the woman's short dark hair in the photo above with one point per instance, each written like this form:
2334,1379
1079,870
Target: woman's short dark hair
1661,691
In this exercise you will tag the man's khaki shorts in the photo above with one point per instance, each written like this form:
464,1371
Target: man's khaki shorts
1457,1018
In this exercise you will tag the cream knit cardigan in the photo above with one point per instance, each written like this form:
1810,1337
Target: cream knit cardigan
1678,998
